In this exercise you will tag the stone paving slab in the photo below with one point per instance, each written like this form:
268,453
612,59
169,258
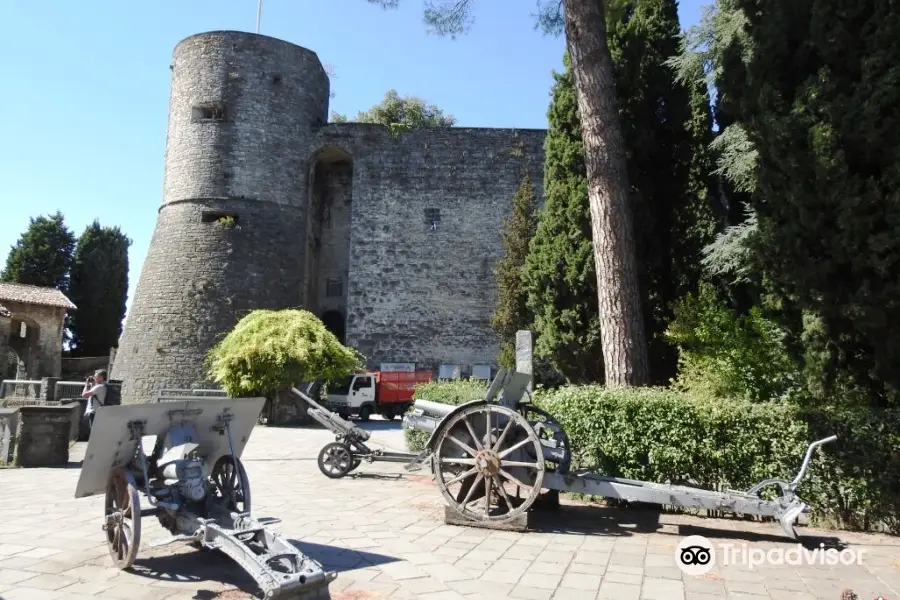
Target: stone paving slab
383,532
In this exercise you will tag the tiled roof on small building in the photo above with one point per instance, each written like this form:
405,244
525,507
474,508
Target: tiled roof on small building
33,294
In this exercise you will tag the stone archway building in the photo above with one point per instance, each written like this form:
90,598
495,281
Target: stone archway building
31,325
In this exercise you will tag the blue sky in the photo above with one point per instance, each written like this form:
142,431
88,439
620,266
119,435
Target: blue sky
83,118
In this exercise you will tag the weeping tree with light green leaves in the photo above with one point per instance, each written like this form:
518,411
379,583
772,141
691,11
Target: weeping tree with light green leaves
272,350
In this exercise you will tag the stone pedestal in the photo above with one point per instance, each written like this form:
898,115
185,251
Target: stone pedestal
9,422
524,355
288,409
44,436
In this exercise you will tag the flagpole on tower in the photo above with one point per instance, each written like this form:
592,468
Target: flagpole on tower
258,14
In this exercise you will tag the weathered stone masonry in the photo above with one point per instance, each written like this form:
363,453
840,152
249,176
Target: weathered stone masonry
391,239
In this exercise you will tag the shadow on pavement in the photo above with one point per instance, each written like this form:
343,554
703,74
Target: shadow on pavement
594,520
612,521
379,425
195,567
335,558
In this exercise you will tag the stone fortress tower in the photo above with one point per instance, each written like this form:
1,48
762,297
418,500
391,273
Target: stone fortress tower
390,239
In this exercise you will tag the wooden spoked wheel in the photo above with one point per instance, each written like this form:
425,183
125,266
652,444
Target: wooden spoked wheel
484,463
231,487
122,518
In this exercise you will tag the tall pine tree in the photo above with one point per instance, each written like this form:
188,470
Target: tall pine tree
511,313
667,127
42,255
820,106
559,274
99,288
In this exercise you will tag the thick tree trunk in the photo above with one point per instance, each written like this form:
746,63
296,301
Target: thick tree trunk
622,325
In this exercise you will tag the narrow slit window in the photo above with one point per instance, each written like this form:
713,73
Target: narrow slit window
432,218
208,112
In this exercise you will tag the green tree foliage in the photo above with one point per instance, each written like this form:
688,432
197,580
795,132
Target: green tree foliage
827,133
667,131
511,313
272,350
724,354
401,113
558,274
98,285
42,255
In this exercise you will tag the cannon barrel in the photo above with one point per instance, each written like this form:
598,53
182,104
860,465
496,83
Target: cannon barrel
426,415
435,409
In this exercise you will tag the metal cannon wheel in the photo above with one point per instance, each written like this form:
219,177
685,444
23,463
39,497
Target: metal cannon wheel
488,451
336,460
231,487
122,518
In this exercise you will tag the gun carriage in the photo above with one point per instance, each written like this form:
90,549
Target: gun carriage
194,478
349,448
492,458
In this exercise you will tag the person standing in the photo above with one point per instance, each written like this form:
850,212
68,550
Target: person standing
95,392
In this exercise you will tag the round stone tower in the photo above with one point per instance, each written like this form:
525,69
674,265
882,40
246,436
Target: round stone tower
230,234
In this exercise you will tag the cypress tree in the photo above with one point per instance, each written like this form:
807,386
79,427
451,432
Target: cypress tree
42,255
99,288
666,131
512,313
820,105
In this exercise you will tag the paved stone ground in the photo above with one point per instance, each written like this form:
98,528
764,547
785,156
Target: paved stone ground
383,532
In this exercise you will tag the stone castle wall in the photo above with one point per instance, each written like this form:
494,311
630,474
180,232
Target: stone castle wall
391,239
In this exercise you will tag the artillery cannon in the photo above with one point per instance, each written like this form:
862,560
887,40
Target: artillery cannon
195,480
349,448
505,453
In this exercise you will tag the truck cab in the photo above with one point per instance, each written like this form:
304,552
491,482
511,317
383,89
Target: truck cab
353,395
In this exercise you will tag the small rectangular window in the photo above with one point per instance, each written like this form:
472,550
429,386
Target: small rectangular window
208,112
334,288
432,217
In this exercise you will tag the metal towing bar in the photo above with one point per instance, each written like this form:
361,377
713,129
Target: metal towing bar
494,450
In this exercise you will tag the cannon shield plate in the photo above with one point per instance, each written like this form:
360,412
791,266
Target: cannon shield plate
112,443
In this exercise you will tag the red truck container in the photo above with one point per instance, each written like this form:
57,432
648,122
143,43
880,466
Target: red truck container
388,393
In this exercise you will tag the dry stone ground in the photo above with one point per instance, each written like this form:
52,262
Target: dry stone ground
383,532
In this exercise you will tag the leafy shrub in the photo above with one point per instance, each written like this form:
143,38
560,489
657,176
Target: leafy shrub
453,392
660,435
271,350
723,354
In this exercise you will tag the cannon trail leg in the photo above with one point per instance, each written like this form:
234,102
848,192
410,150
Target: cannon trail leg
122,521
483,456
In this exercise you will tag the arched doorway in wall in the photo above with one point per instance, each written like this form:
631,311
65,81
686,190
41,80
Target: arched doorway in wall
27,348
334,322
327,269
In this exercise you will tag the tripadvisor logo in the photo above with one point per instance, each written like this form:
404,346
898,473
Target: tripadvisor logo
696,555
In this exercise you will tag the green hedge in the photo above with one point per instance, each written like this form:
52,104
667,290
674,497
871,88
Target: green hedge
662,435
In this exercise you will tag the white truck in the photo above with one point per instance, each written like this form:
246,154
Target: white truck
388,393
